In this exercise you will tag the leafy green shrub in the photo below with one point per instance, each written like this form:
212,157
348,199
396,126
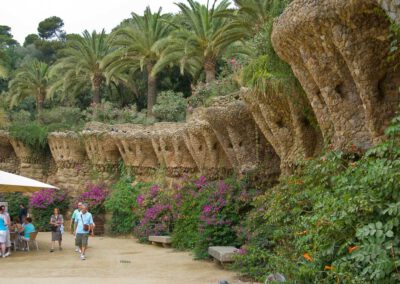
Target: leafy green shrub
121,203
68,117
170,106
43,203
32,134
109,114
21,117
204,93
14,199
187,208
336,220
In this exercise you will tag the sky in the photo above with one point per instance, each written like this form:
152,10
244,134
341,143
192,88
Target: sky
23,16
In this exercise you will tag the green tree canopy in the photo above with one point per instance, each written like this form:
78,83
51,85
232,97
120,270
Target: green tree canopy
31,79
201,42
136,43
51,28
31,39
6,38
81,66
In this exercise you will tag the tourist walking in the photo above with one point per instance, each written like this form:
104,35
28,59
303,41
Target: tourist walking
23,213
74,214
83,226
8,237
57,223
3,232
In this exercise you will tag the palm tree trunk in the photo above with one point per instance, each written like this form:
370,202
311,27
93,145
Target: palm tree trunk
40,102
209,68
96,83
151,89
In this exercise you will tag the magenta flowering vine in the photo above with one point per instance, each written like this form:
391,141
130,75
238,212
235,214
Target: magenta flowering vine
46,197
201,182
94,196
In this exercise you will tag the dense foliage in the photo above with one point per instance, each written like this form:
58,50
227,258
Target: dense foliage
170,106
14,199
121,203
42,204
336,220
197,214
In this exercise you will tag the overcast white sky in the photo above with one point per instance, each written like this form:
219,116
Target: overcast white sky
23,16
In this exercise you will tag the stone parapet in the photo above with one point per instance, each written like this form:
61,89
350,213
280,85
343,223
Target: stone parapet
338,50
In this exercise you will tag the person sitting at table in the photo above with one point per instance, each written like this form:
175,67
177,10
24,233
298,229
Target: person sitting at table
28,229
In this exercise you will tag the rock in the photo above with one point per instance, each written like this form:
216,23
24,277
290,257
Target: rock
275,277
338,50
222,253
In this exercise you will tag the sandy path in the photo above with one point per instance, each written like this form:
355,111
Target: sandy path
148,264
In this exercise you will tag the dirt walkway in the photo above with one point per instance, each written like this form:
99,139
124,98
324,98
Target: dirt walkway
109,260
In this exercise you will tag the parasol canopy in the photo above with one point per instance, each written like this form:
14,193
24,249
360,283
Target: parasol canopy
15,183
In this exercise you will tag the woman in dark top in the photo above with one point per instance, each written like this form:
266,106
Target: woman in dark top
23,213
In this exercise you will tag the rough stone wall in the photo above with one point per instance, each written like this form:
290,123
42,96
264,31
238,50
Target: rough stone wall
135,146
338,50
283,121
72,164
240,137
31,164
8,159
203,145
171,150
392,8
101,150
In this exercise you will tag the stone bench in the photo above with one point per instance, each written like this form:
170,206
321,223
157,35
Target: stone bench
165,241
222,254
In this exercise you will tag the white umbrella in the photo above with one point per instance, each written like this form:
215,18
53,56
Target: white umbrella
15,183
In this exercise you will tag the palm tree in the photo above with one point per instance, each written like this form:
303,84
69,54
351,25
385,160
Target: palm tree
136,49
81,65
31,79
201,43
253,14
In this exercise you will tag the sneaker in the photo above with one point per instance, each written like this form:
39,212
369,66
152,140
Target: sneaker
77,250
51,250
7,254
83,257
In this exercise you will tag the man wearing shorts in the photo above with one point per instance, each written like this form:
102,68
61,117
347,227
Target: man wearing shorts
74,214
83,225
